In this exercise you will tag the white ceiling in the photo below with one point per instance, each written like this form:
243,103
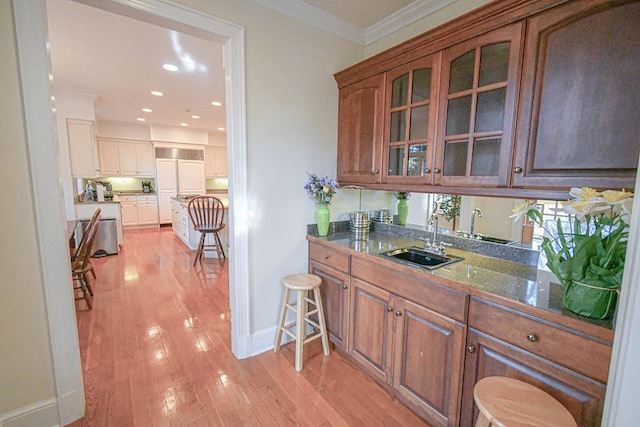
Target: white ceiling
119,59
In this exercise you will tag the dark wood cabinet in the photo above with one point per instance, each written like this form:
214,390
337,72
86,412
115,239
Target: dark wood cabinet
360,128
579,113
409,126
524,99
428,362
332,267
570,367
477,109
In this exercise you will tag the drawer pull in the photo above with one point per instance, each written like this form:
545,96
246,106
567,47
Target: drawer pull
398,313
436,170
471,348
344,286
517,169
532,337
326,257
389,309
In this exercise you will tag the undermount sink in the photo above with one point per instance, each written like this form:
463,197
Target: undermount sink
421,258
496,240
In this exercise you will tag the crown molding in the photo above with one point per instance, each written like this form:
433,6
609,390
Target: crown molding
303,12
403,17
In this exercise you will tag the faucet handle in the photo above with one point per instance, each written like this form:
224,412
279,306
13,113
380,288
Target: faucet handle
442,246
427,242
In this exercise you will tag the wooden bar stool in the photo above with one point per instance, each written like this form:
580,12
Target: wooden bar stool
507,402
303,283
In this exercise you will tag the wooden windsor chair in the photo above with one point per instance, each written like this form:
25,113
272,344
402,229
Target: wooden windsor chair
207,216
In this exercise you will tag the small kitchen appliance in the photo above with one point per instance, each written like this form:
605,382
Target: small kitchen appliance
146,187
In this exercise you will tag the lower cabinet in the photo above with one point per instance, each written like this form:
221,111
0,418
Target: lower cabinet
429,345
139,210
570,367
416,351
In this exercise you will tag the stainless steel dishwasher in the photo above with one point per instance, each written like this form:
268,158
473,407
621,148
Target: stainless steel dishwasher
106,240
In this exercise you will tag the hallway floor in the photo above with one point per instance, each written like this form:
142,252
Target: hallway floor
156,352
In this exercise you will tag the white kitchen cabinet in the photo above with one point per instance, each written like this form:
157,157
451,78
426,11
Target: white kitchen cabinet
82,149
166,187
139,210
136,159
147,210
183,229
129,208
215,162
191,177
109,159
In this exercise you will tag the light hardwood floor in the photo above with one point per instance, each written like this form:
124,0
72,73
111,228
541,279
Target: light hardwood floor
156,352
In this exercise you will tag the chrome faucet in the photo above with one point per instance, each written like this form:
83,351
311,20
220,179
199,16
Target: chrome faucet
433,221
475,212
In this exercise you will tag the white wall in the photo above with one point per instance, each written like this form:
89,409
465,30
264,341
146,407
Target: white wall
26,372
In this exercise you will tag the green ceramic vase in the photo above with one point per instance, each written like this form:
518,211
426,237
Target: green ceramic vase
322,219
403,212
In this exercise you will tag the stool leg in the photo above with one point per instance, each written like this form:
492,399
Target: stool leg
482,421
321,321
283,315
300,329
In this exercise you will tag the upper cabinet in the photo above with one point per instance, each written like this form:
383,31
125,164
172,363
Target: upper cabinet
477,106
215,162
126,158
409,121
360,126
82,149
580,109
523,99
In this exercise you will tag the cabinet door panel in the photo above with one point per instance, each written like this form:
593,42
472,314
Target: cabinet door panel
410,115
360,127
145,160
127,158
429,362
335,301
582,396
371,329
477,103
82,149
108,155
579,115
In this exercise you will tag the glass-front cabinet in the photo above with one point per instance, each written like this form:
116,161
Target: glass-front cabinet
410,115
477,98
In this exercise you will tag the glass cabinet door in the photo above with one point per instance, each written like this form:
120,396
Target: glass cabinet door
477,109
410,122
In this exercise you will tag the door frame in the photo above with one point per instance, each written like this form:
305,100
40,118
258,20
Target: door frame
34,71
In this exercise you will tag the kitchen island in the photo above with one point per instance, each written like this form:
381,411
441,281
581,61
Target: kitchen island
183,226
428,336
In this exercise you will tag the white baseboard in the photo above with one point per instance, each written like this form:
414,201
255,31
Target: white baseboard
71,406
265,340
43,413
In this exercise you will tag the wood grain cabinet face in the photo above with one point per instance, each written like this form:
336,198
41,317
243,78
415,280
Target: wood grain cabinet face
569,367
410,115
360,127
579,119
335,301
477,109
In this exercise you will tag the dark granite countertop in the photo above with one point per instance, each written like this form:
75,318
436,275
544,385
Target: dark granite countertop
478,275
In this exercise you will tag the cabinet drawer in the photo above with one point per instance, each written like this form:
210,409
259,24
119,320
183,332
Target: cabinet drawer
147,198
132,199
578,353
329,257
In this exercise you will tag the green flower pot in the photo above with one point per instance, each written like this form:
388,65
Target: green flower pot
403,212
589,300
322,219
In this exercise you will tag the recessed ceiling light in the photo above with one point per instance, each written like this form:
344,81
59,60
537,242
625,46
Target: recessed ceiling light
147,110
220,128
195,117
156,93
170,67
184,124
216,103
140,119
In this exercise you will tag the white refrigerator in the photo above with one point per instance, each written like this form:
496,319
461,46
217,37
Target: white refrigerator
175,177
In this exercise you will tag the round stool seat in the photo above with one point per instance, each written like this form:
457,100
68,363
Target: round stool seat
507,402
302,282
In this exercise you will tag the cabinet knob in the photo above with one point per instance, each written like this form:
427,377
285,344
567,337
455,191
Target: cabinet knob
532,337
517,169
427,170
436,170
326,257
375,172
344,286
398,313
471,348
389,308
